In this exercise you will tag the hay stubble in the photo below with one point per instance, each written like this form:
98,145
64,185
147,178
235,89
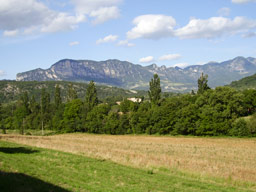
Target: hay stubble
219,157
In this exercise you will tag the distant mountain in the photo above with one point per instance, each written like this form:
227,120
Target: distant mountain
131,76
245,83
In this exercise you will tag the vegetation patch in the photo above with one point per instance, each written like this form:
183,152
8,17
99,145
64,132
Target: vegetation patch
49,170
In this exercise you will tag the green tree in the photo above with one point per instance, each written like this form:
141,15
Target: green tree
202,84
72,94
72,116
2,119
45,108
155,90
57,120
240,128
250,100
33,120
57,97
21,112
91,99
95,118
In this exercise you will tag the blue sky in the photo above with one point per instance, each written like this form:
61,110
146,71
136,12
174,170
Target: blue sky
38,33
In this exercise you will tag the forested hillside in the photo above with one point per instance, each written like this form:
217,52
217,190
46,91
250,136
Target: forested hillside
245,83
12,90
210,112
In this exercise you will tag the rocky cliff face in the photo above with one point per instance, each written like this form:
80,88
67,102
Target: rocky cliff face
130,76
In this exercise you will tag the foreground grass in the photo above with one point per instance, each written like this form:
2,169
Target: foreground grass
229,158
24,168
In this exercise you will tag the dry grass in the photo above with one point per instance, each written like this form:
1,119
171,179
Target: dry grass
221,157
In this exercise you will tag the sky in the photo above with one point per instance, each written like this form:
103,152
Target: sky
38,33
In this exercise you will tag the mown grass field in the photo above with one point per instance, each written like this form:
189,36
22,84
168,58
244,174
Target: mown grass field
84,162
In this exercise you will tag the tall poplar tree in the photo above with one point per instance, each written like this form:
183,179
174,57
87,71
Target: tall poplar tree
45,108
202,83
1,118
154,90
57,97
91,99
71,93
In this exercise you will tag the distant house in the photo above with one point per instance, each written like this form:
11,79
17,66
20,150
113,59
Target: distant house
118,102
135,100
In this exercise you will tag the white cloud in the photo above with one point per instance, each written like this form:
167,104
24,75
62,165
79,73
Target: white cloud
146,59
152,27
33,16
104,14
74,43
125,43
100,10
224,11
242,1
181,65
169,57
107,39
11,33
86,6
16,14
161,26
2,73
62,22
214,27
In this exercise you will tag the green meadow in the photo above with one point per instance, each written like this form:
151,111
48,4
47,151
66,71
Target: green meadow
24,168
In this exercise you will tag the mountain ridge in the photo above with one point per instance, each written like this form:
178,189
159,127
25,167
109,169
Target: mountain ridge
127,75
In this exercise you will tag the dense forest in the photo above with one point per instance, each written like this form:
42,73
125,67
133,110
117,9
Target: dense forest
209,112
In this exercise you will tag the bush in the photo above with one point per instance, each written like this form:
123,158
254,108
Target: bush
240,128
252,124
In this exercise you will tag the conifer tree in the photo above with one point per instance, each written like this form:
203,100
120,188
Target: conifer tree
57,97
1,118
72,94
91,99
45,107
154,90
202,83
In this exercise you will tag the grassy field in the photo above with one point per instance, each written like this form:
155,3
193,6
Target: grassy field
24,168
160,163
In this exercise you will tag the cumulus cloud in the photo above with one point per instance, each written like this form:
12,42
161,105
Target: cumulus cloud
243,1
146,59
224,11
152,27
74,43
125,43
18,14
169,57
107,39
11,33
99,10
62,22
161,26
31,15
214,27
104,14
181,65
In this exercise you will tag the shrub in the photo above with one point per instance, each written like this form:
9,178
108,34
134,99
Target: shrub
240,128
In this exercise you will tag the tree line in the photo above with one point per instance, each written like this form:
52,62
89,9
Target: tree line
209,112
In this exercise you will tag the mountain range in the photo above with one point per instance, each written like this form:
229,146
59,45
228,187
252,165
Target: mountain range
133,76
